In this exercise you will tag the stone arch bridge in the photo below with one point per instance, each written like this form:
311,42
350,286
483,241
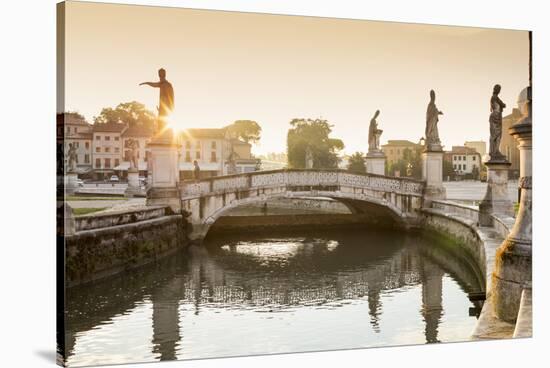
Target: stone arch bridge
378,198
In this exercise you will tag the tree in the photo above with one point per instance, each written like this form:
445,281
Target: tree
357,163
74,116
247,130
312,134
133,113
408,165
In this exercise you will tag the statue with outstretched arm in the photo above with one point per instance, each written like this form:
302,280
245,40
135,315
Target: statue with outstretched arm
166,98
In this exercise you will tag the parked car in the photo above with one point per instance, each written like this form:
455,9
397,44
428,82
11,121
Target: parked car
114,178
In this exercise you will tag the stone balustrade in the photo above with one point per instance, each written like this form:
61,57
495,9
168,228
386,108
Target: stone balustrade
301,178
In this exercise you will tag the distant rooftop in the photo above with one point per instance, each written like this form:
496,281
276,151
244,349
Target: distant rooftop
400,142
109,127
462,150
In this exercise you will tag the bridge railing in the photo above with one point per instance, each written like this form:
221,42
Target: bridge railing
300,177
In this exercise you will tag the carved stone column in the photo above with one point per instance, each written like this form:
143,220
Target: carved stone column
71,182
164,186
432,174
376,162
133,183
514,257
496,200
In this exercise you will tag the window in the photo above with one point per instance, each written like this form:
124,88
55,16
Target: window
116,139
213,157
198,155
454,166
117,162
473,158
147,153
76,144
107,163
107,137
213,145
98,149
107,149
117,150
464,158
87,145
86,158
98,163
187,144
187,156
97,137
459,158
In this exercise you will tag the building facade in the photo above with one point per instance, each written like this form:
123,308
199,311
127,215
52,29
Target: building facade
479,146
107,149
395,149
215,152
103,150
466,161
78,132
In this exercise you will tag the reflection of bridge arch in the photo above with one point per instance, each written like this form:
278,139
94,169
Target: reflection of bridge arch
208,199
199,280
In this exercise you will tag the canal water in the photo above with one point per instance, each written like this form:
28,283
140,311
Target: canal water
275,293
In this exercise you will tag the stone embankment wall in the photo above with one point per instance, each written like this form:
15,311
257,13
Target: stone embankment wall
460,224
105,245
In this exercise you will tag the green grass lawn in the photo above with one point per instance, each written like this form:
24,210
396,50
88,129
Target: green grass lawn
85,211
86,198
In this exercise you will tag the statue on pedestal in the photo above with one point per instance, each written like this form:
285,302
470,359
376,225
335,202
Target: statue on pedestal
133,144
166,99
374,134
72,157
495,122
309,158
432,117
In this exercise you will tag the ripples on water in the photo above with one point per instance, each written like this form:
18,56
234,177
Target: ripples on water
284,293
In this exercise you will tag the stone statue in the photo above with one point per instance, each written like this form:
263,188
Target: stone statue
432,117
133,144
72,157
495,123
166,99
231,162
309,158
374,134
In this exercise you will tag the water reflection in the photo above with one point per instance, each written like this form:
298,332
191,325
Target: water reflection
283,293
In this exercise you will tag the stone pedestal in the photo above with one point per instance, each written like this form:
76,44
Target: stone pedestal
164,186
513,264
134,187
71,182
432,174
376,163
496,200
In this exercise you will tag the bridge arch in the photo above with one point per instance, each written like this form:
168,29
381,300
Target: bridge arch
209,199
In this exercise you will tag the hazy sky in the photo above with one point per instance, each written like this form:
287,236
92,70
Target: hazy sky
227,66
